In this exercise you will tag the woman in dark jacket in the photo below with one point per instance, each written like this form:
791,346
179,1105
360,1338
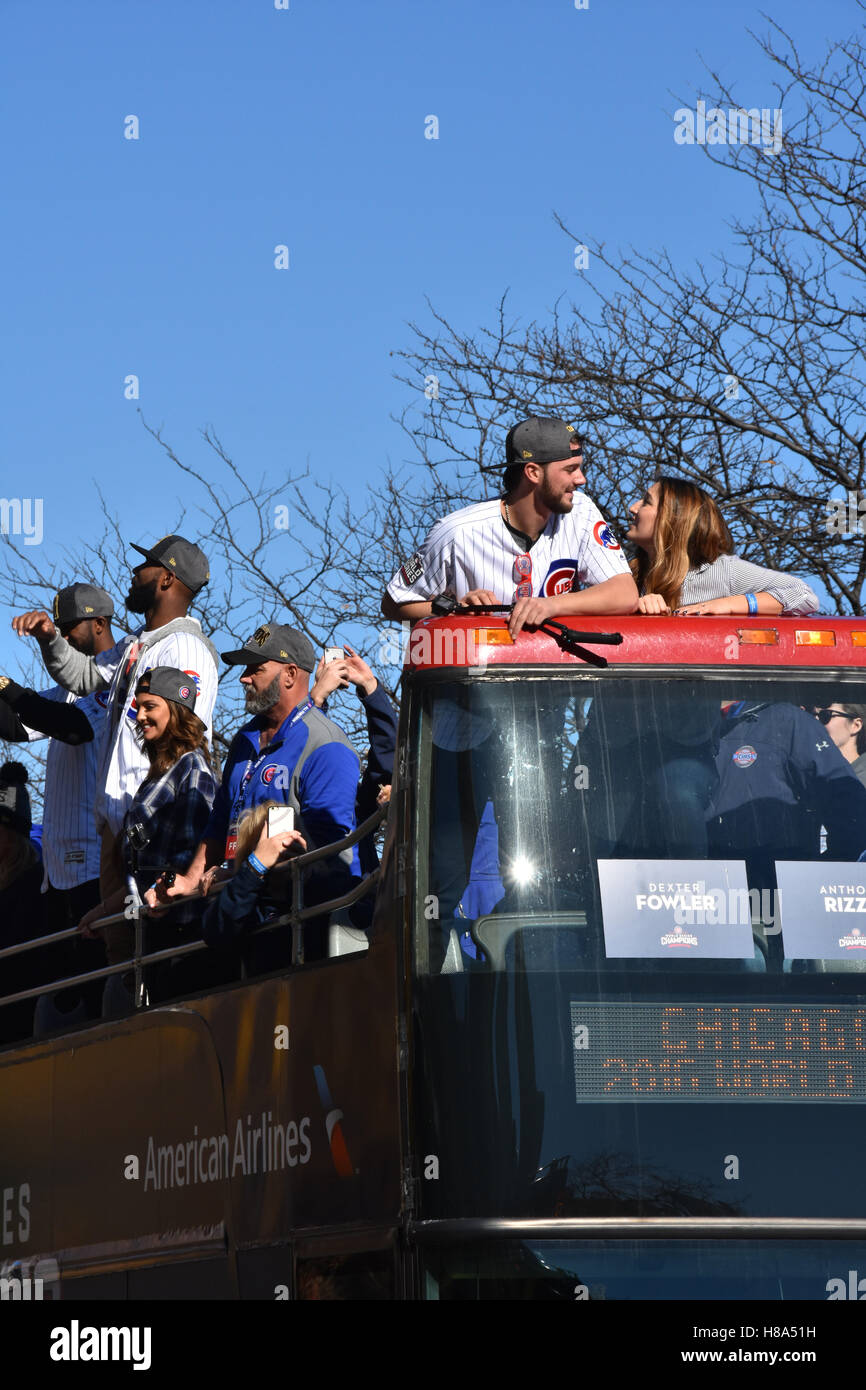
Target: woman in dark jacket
251,896
163,826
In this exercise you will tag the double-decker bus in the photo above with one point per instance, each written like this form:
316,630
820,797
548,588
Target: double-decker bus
606,1039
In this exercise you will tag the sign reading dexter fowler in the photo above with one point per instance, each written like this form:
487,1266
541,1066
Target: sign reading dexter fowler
823,910
664,910
671,1052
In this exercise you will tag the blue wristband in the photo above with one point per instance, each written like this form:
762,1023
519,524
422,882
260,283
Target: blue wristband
752,602
256,865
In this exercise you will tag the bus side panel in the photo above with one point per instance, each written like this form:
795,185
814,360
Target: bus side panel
198,1128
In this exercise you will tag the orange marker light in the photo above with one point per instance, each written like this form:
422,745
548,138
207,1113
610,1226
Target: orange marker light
815,639
758,636
858,639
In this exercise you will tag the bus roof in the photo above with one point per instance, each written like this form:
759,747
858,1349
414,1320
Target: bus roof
483,641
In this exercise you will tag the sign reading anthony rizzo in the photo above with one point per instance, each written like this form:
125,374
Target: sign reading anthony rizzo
664,910
823,910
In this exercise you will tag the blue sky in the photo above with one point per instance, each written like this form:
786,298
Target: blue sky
305,127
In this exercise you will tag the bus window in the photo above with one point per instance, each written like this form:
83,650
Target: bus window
575,815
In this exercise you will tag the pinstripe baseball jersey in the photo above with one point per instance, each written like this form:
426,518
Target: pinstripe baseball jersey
123,763
70,844
474,549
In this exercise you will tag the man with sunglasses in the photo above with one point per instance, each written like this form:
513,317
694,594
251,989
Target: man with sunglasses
533,547
846,725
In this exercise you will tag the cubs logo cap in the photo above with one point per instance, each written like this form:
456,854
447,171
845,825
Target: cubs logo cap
171,684
272,642
540,439
180,557
79,601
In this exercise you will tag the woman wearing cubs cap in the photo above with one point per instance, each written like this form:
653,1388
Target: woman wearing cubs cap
166,818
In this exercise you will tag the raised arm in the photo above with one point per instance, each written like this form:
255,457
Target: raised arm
50,717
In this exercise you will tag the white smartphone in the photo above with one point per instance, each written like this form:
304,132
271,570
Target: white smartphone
334,654
281,819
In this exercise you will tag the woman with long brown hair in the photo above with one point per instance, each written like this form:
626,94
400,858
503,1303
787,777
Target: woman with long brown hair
167,817
685,561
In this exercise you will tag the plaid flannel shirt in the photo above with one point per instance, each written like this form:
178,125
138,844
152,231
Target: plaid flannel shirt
166,822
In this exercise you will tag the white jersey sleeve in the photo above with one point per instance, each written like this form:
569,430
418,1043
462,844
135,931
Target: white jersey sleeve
599,555
430,571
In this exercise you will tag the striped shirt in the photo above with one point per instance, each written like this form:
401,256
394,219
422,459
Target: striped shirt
474,549
70,846
730,574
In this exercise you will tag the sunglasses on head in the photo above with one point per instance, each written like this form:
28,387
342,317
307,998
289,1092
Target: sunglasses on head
523,576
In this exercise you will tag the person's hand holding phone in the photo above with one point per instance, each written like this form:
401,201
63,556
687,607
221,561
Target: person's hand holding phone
279,839
330,676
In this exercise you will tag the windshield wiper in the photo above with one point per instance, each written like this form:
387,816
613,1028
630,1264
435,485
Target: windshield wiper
567,639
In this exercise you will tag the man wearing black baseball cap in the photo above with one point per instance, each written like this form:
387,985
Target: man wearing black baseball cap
288,752
163,587
533,547
70,844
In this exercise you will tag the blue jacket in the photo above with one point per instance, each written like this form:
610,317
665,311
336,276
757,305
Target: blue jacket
781,777
309,764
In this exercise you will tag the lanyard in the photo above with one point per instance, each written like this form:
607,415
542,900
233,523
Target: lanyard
252,764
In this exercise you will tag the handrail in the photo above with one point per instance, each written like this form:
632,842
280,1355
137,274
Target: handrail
294,917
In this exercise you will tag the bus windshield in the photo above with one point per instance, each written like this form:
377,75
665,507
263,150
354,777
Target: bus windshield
635,896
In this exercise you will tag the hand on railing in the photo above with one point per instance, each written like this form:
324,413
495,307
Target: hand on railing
85,926
216,874
168,886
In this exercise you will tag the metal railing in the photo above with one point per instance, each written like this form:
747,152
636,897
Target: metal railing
295,917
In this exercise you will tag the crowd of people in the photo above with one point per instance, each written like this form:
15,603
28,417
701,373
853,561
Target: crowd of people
136,820
135,817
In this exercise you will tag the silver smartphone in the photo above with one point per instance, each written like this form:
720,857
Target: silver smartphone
334,654
281,819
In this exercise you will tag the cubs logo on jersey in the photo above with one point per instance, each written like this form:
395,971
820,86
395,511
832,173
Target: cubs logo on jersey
560,578
604,536
269,773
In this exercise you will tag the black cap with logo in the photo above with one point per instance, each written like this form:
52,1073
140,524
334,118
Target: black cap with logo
170,684
79,601
540,440
180,557
272,642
